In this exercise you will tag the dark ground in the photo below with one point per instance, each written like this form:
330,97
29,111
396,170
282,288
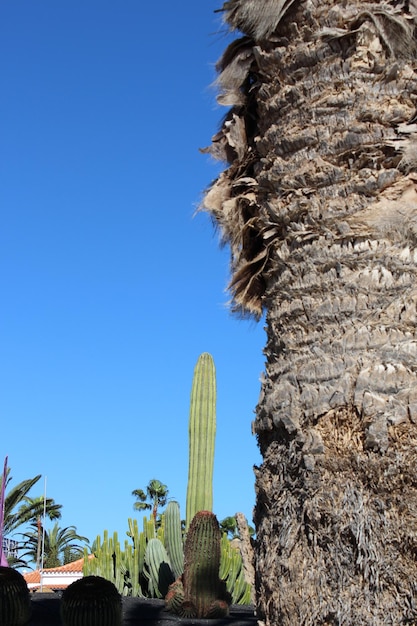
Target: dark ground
138,611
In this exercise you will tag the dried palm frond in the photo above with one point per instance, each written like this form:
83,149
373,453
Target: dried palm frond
412,9
234,67
248,286
395,32
256,18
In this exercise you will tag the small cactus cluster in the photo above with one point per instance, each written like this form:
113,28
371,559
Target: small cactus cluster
156,559
91,601
15,606
122,567
199,592
134,569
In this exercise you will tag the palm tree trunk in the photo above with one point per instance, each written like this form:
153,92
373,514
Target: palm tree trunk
319,204
155,510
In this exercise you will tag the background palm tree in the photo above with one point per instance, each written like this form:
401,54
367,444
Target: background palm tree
229,525
156,493
62,545
319,204
52,511
20,509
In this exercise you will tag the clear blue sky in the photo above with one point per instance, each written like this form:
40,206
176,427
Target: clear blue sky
110,288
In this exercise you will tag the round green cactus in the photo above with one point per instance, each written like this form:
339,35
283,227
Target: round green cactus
91,601
15,606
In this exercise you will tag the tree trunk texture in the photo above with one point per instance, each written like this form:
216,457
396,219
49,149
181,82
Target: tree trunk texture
319,205
246,551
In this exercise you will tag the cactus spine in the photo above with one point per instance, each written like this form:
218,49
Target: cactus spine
200,593
15,607
91,601
202,431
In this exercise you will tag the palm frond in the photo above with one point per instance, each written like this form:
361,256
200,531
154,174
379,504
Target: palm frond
141,506
16,496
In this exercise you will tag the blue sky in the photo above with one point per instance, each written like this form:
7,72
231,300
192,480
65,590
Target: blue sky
110,286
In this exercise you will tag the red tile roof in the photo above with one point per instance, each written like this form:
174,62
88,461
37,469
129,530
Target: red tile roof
76,567
33,577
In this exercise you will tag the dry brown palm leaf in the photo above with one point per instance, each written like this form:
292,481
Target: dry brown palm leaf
394,31
248,286
257,18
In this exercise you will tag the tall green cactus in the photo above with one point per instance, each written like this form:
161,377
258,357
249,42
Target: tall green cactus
173,537
199,592
202,432
135,557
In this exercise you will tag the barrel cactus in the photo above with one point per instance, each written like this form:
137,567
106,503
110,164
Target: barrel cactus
15,606
91,601
199,592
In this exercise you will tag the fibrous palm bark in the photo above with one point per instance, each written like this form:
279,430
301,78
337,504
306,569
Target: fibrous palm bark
319,205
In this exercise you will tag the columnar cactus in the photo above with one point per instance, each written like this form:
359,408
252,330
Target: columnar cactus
158,569
123,567
173,538
134,555
91,601
199,592
108,562
202,432
233,574
15,607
